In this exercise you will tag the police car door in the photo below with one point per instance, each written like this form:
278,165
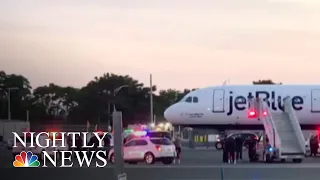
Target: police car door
140,149
128,150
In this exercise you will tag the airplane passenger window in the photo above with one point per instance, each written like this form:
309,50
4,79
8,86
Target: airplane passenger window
189,100
195,99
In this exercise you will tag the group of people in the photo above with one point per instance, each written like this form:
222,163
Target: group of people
314,145
232,149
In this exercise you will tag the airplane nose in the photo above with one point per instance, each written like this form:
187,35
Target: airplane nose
168,113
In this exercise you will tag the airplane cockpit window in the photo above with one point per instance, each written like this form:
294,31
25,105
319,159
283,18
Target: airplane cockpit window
189,99
195,100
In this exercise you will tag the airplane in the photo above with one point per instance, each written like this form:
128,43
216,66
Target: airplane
226,107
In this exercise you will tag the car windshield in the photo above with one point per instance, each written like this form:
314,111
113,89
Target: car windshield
162,141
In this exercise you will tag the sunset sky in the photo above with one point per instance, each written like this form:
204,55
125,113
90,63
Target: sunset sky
183,43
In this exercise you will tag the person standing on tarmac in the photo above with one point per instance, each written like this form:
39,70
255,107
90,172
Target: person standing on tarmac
314,145
311,144
224,151
239,146
252,152
178,144
230,146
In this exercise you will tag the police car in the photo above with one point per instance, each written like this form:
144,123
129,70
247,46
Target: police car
147,149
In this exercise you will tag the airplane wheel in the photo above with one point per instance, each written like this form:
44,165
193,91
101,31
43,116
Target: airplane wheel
218,145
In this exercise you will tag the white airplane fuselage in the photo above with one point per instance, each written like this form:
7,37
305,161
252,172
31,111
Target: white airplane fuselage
227,106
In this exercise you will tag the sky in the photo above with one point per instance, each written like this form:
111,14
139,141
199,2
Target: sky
183,43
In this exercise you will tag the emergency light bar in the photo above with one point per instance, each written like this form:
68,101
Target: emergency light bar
140,133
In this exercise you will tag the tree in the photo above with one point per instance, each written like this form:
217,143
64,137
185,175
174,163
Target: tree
56,101
266,81
20,91
101,95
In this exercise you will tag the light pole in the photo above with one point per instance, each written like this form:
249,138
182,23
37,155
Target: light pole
9,99
115,91
151,100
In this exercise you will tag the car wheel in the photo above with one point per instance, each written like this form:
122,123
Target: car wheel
218,145
111,158
168,161
149,158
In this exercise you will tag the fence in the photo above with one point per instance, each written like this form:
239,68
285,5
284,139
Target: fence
194,138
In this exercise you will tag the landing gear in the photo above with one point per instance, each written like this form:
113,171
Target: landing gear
218,145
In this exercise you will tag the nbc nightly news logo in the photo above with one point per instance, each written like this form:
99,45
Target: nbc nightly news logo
39,144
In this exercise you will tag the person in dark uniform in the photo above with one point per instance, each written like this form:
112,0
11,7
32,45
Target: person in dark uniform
311,144
224,152
314,145
252,151
178,144
230,146
239,146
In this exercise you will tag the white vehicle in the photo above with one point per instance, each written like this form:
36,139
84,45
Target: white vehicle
226,107
148,150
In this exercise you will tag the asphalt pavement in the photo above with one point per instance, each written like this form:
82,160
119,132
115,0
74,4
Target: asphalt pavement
199,164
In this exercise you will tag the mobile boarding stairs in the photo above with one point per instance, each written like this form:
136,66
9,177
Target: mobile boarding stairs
286,140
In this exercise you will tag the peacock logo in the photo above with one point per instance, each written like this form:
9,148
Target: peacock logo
26,159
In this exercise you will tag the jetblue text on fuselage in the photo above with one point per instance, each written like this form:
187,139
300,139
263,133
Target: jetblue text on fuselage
274,101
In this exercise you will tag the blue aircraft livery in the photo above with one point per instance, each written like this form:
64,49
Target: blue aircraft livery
275,102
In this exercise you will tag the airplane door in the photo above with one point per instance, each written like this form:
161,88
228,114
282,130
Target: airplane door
315,100
218,101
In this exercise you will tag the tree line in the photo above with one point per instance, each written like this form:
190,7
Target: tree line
94,102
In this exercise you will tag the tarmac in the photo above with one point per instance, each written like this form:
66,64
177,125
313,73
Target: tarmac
196,164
